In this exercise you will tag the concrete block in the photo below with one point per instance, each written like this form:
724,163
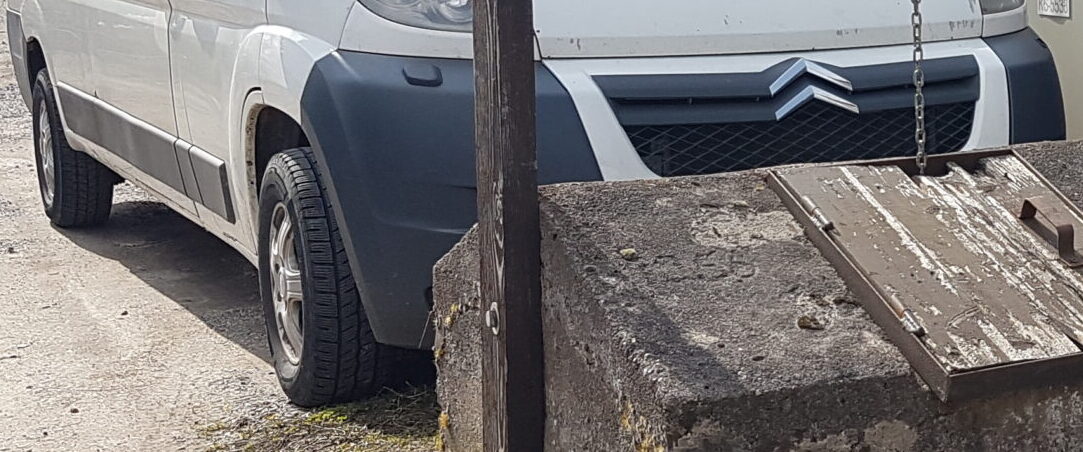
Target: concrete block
725,329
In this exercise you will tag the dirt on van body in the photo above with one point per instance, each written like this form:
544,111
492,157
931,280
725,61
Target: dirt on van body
146,333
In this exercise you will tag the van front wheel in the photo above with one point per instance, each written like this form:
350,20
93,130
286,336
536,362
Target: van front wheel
323,349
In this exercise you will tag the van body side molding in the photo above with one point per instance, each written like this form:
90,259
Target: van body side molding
212,181
17,44
182,166
146,147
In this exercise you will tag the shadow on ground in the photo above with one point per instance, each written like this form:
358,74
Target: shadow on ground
220,287
185,263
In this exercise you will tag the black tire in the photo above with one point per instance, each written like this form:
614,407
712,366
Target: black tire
82,188
339,360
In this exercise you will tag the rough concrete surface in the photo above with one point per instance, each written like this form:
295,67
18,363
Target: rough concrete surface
144,334
724,329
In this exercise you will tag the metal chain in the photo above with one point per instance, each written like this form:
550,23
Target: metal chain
919,84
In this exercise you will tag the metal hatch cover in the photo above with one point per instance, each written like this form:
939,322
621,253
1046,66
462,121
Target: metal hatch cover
971,270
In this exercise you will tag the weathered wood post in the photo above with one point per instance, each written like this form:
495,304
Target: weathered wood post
504,100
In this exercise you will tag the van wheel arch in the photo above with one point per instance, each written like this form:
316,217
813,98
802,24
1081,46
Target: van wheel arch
274,132
35,58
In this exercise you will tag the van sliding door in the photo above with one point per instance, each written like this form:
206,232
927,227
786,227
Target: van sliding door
130,112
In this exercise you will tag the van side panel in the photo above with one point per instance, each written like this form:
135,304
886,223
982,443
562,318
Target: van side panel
62,28
129,59
214,49
322,19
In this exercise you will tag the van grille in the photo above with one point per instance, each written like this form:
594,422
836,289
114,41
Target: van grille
816,132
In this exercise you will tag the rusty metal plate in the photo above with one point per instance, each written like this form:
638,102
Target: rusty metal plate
971,270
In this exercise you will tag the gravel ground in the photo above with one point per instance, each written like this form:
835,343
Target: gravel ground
146,333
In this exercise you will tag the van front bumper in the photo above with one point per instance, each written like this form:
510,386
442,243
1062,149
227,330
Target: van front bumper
394,138
1035,102
395,141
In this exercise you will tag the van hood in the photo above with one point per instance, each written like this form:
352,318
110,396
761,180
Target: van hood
616,28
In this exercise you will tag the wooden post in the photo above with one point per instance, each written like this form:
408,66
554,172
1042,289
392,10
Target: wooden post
508,220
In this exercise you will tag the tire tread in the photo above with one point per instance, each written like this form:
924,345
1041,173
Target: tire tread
348,362
83,194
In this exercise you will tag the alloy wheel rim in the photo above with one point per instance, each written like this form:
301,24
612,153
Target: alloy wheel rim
286,289
45,151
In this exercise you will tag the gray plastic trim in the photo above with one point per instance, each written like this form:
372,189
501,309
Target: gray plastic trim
144,146
188,176
17,42
771,94
201,176
397,160
1037,108
213,182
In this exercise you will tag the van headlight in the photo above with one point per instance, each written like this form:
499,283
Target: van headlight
447,15
999,6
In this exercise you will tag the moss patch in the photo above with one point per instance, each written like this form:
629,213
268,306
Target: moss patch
405,422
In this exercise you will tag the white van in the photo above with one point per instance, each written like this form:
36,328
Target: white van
331,141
